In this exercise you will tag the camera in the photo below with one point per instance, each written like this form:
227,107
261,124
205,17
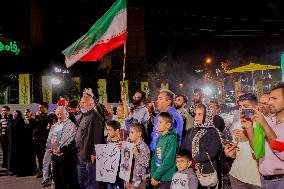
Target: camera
247,113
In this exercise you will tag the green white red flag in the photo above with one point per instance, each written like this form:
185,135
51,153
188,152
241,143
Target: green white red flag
108,33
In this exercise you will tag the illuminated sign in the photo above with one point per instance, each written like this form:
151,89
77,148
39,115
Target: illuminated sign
11,47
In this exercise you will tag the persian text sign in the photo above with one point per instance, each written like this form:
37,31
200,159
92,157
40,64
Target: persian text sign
11,47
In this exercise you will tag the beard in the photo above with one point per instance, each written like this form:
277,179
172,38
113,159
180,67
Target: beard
136,102
177,106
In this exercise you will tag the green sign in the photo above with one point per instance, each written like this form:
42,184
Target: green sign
11,47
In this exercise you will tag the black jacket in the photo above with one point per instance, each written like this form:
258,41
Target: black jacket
210,143
90,133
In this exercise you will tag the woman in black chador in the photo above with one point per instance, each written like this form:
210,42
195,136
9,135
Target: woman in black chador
20,148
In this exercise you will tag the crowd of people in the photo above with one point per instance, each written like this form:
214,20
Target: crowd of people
177,144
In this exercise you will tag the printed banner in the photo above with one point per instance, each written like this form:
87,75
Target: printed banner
125,88
102,91
165,86
46,89
107,162
238,87
126,161
259,89
24,89
144,86
76,88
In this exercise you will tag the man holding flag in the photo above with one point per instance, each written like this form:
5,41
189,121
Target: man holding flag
108,33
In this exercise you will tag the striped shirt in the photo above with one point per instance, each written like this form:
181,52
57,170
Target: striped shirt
5,122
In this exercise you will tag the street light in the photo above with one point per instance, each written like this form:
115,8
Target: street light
55,81
208,60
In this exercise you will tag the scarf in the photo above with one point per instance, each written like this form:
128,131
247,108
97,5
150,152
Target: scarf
68,133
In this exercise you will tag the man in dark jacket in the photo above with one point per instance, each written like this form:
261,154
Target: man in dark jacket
90,133
40,134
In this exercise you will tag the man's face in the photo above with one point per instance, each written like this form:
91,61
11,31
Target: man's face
42,109
85,103
264,104
163,103
137,98
59,114
276,101
119,111
197,98
179,102
4,112
245,104
214,107
27,114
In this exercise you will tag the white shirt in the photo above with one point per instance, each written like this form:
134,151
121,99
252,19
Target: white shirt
244,167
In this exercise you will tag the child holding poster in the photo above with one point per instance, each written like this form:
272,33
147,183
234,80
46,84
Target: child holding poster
141,154
113,128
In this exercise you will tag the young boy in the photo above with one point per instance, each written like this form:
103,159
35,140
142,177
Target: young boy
185,177
163,161
113,128
141,154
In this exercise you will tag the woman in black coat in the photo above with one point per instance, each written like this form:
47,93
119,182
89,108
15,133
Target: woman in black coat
204,142
19,146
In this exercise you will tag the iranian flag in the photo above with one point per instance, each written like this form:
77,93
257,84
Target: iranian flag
108,33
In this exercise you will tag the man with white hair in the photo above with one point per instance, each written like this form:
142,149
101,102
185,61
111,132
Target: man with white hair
90,133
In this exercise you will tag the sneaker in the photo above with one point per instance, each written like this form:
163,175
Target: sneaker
45,183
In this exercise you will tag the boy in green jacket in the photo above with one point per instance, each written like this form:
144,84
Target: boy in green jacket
163,164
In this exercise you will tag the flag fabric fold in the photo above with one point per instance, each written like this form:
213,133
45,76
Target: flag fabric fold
108,33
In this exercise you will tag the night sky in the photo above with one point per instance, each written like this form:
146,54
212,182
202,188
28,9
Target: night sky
240,30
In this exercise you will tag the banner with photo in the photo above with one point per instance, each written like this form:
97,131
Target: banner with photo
165,86
102,91
46,89
24,89
126,161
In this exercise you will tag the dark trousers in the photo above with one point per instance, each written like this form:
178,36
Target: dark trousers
87,175
64,172
4,145
39,146
164,185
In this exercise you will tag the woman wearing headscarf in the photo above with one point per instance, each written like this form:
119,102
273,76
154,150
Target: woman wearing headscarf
61,143
204,143
19,148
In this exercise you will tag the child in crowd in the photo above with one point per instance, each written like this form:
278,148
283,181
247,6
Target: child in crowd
141,154
185,177
163,161
113,128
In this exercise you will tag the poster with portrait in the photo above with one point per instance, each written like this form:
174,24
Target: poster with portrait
107,162
126,161
54,137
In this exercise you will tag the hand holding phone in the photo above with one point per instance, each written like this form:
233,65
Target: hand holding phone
247,113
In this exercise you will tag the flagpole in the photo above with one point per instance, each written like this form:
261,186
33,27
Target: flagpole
124,61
